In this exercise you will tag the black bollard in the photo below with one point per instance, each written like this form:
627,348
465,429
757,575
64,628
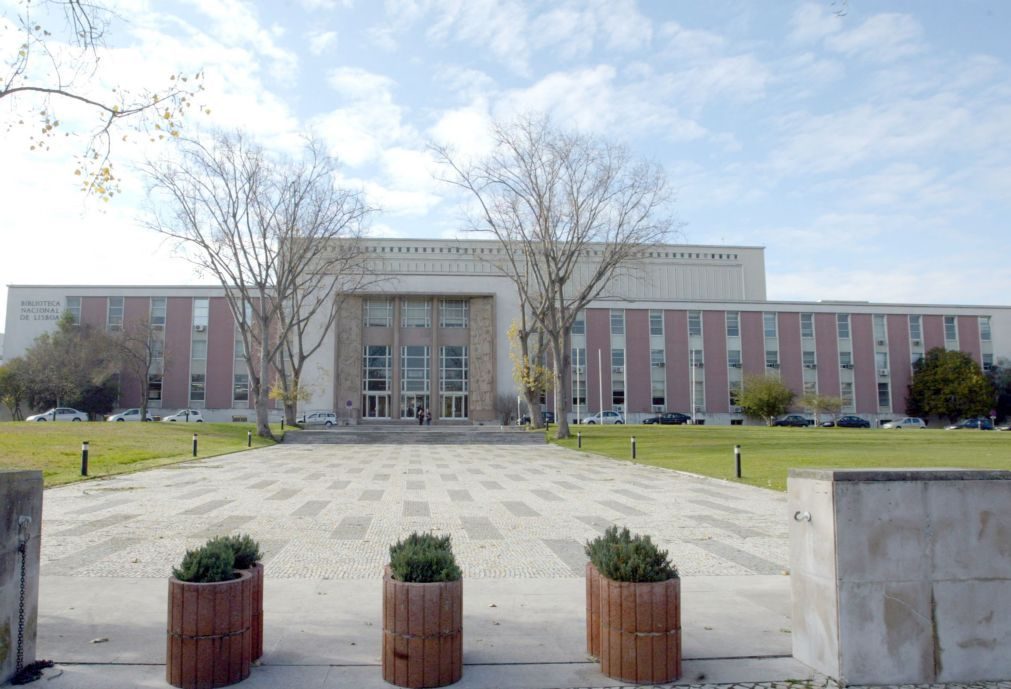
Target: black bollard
84,458
249,438
282,423
633,447
737,460
194,444
579,440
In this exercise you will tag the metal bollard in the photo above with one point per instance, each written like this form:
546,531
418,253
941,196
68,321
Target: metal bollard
249,438
282,423
579,440
633,447
737,460
194,444
84,458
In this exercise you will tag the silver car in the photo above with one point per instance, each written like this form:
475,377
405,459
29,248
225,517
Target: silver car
318,418
59,414
907,422
129,415
605,417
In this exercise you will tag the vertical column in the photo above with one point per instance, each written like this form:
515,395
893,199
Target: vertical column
397,373
20,522
435,399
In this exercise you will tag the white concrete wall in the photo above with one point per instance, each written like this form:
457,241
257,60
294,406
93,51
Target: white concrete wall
901,576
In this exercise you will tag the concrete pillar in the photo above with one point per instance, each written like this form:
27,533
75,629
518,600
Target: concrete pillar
20,517
901,576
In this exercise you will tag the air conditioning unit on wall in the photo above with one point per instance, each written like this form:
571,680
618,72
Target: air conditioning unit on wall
849,366
880,343
916,343
200,328
810,365
882,371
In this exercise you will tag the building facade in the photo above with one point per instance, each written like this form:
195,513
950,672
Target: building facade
678,333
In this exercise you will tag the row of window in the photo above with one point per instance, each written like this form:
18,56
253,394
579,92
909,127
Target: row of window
415,381
198,387
416,313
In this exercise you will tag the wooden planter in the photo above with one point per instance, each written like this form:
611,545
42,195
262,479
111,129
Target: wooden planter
640,630
209,632
422,633
256,599
592,611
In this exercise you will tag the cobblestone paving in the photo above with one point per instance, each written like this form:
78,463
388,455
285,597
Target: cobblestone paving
331,512
821,683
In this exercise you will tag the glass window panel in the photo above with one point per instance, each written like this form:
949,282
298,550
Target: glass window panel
197,384
416,313
158,311
881,360
694,323
769,324
915,330
617,322
74,307
656,358
879,326
884,397
808,358
843,325
984,328
656,322
378,312
240,387
950,333
733,324
201,308
199,350
734,358
807,325
771,358
115,319
846,359
579,325
454,313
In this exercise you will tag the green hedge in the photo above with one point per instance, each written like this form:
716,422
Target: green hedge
424,558
623,556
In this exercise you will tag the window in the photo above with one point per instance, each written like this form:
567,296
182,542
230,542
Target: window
808,357
199,350
376,366
733,324
617,322
115,318
984,328
950,334
656,322
453,382
879,328
695,358
658,393
656,358
154,387
617,360
157,312
846,393
416,313
769,323
881,361
846,359
579,359
579,376
884,397
238,349
240,387
74,308
157,349
842,321
987,361
772,358
735,393
694,323
617,392
807,325
200,310
579,325
915,329
415,380
699,395
734,358
378,313
197,383
454,313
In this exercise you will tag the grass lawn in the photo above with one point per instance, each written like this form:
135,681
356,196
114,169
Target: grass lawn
114,448
767,453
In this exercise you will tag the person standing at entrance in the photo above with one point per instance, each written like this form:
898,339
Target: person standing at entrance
428,417
421,416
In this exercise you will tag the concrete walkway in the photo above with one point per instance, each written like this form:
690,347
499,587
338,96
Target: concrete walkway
326,515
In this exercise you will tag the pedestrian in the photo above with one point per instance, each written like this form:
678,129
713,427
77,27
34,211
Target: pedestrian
421,416
428,417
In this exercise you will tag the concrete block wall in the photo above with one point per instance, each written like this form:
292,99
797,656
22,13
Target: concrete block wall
902,576
20,496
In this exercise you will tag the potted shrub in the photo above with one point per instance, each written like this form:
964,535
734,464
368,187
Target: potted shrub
638,606
247,557
209,620
422,613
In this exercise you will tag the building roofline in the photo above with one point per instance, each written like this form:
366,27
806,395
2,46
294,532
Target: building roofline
405,240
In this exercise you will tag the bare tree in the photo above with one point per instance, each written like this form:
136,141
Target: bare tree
274,231
572,212
57,60
141,352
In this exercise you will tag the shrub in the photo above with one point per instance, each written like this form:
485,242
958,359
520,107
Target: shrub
622,556
206,565
424,558
246,550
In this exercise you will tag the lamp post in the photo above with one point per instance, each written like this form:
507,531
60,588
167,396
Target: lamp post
692,363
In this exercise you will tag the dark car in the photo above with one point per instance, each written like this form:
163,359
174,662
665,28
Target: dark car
793,420
848,421
546,417
670,418
980,423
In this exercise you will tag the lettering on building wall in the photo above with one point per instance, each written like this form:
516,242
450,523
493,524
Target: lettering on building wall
41,310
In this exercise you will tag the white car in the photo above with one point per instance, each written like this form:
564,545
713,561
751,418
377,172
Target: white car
907,422
184,416
603,417
128,415
318,418
59,414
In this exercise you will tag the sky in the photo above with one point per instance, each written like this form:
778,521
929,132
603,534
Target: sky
866,145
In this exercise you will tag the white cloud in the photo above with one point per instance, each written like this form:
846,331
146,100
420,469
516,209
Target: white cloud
321,41
467,131
691,44
623,25
882,38
811,22
236,24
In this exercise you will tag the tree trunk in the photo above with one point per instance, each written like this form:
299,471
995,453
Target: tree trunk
261,400
290,409
562,355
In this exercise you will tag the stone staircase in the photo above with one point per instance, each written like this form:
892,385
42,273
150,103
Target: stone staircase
415,435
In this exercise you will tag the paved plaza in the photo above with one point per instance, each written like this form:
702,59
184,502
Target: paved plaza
326,515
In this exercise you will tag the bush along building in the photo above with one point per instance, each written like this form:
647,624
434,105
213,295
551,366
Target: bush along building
679,331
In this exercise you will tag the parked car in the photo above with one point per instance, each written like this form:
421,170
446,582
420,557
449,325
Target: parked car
546,417
604,417
793,420
847,421
59,414
906,422
669,418
185,415
318,418
129,415
976,424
